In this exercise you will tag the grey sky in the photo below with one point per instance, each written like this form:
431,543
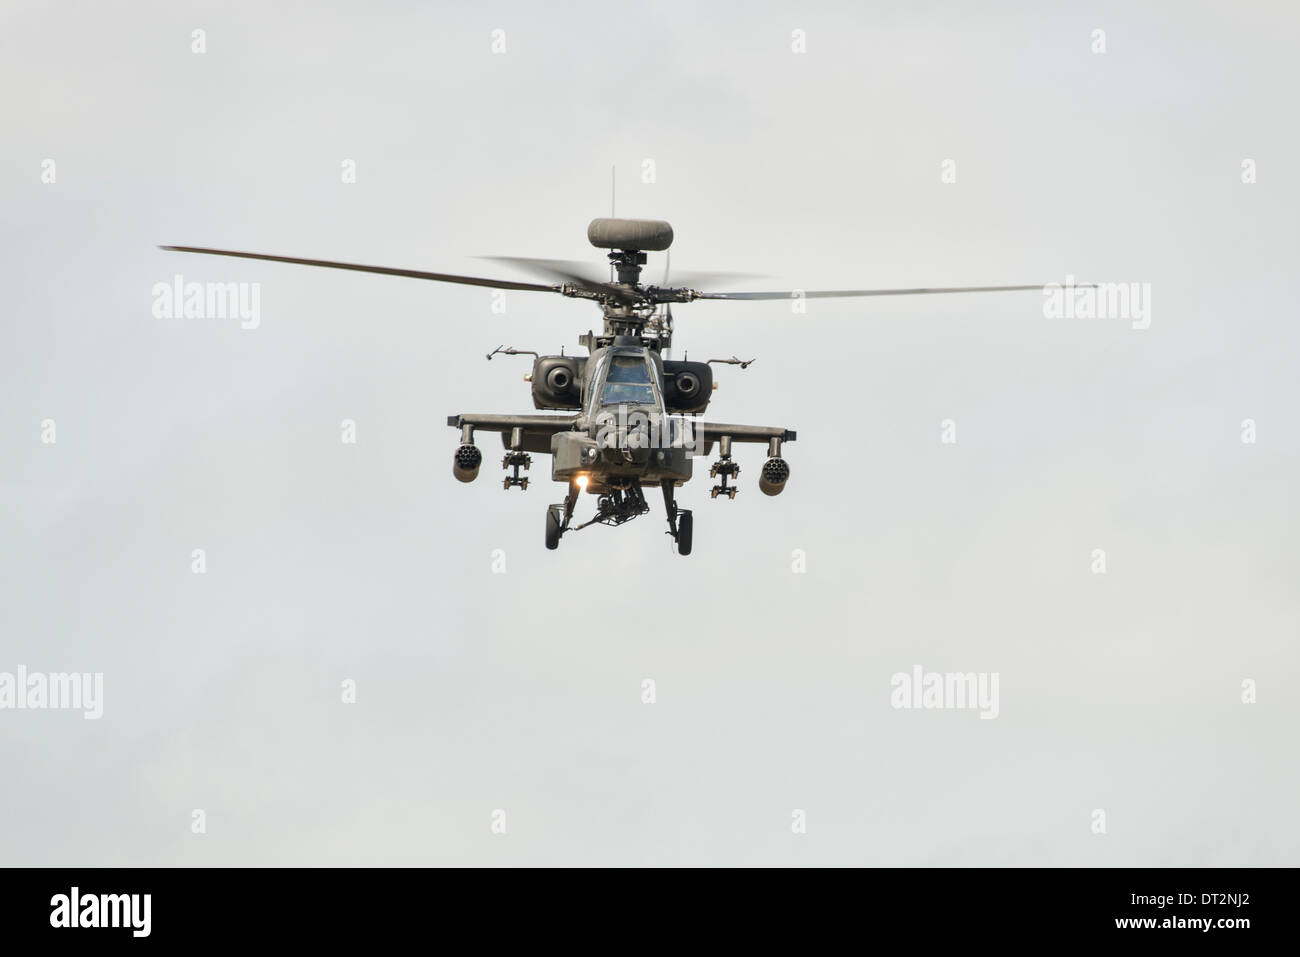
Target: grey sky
522,691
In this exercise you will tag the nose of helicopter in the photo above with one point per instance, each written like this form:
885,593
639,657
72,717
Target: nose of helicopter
628,444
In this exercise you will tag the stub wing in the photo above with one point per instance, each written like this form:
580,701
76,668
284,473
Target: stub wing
706,433
535,430
743,433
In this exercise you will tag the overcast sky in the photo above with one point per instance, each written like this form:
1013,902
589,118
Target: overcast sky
521,691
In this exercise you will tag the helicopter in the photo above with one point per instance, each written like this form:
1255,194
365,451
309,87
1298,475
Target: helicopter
625,417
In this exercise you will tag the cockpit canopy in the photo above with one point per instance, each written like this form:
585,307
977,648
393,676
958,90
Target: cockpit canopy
627,382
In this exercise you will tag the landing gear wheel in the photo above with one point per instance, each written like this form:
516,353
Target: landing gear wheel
554,523
685,526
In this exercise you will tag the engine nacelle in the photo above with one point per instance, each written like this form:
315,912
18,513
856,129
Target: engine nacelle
465,463
776,472
557,382
688,386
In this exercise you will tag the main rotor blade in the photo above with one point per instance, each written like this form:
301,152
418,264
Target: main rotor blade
382,270
583,273
577,273
565,269
842,293
695,277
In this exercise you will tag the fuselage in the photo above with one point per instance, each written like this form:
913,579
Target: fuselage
629,437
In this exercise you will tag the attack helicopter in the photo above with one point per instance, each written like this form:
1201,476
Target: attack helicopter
625,417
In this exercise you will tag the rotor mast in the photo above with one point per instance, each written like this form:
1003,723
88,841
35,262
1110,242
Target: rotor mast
631,310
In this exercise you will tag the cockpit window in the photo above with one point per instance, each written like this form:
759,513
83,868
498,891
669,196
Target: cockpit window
628,382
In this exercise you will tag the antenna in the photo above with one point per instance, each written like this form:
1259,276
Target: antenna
613,169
